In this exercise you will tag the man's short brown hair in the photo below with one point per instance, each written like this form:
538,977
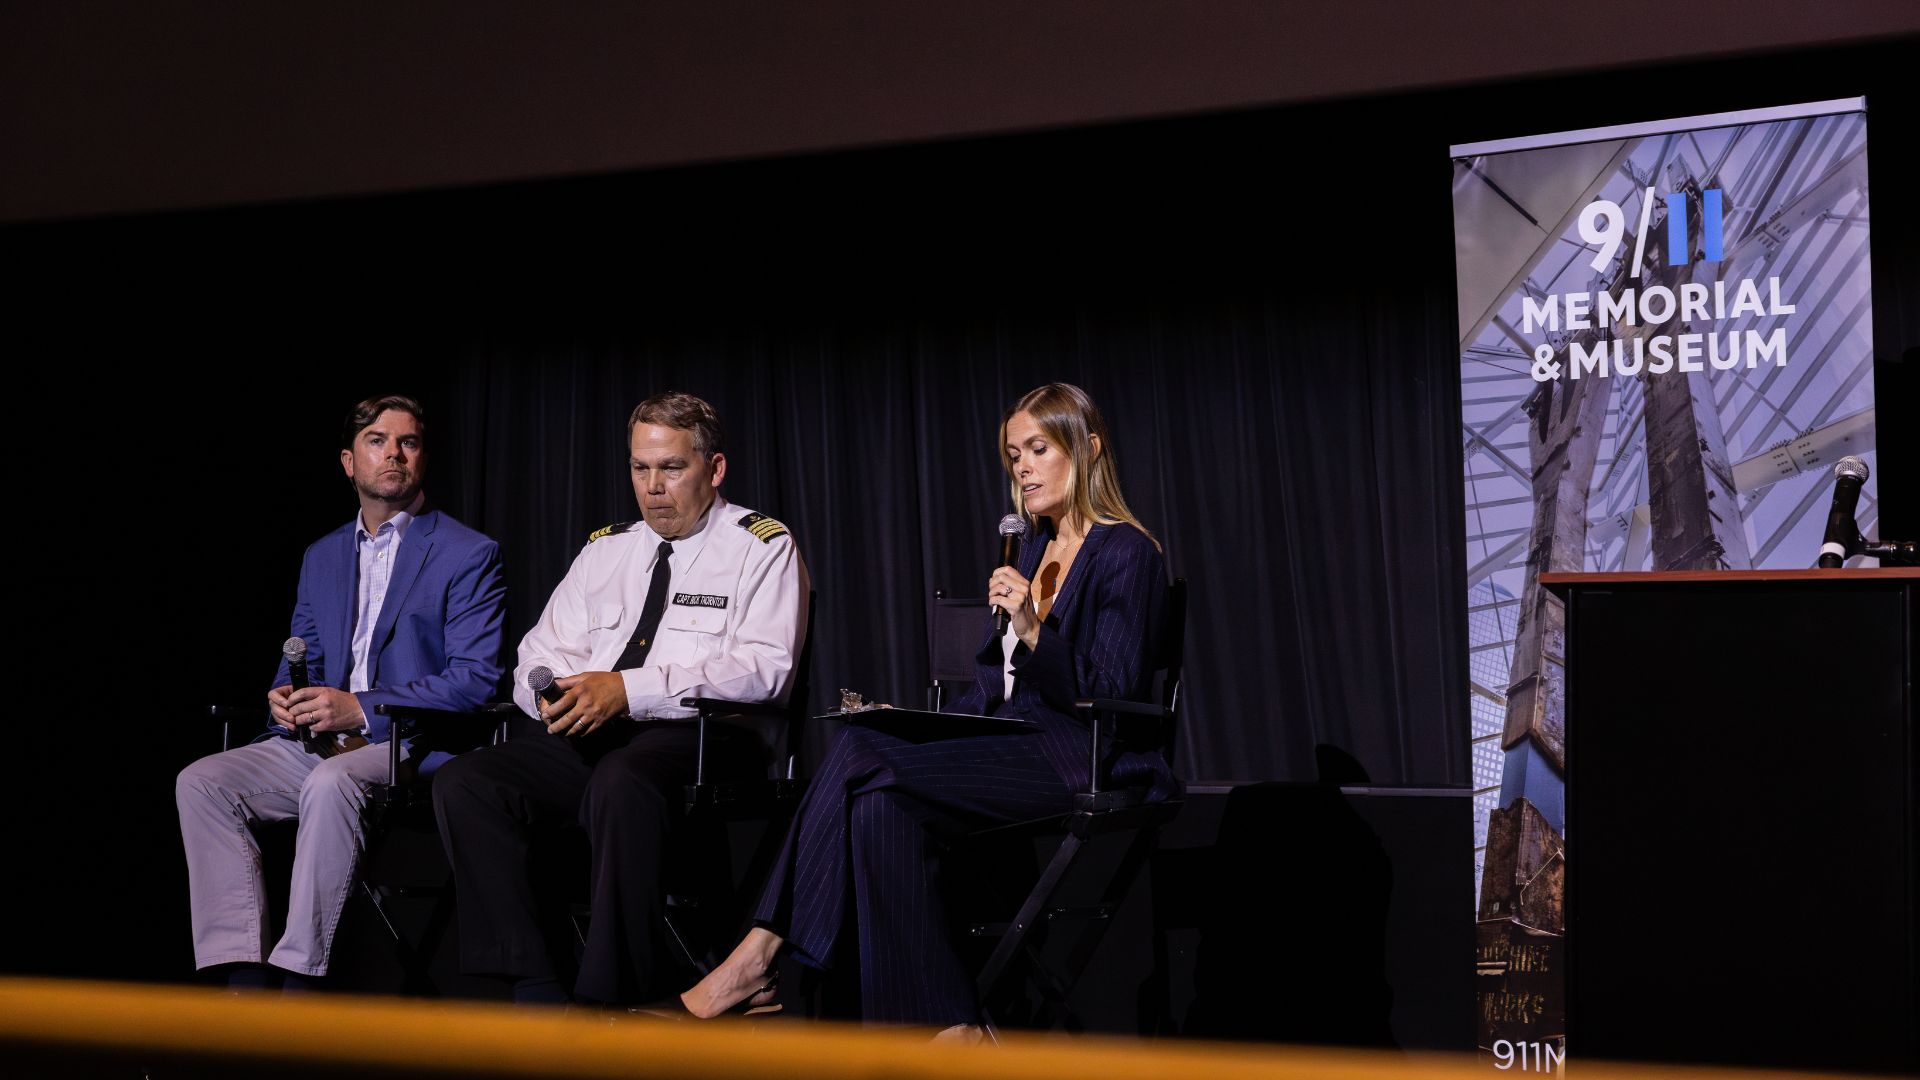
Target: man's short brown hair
365,413
685,412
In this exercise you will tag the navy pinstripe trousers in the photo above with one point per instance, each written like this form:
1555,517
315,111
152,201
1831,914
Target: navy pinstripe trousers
870,830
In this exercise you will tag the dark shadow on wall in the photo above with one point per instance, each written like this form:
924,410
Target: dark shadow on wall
1290,904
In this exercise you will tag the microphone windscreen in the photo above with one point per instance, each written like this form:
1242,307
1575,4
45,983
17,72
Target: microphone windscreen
1013,525
1851,466
295,650
539,679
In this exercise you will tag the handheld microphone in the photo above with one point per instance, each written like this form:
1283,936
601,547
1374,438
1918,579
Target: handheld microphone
1843,538
1012,528
540,681
295,650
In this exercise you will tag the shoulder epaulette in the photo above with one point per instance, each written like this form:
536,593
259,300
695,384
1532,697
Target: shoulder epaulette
618,526
762,527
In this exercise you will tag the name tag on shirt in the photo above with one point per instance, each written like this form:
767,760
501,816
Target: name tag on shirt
700,600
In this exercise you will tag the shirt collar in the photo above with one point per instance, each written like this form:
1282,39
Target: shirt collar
399,521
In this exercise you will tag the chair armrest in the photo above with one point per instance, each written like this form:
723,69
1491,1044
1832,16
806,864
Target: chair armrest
229,715
1121,705
415,720
711,706
465,730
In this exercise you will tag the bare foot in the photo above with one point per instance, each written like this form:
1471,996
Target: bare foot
745,976
726,987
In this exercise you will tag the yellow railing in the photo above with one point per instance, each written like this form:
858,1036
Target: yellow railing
49,1024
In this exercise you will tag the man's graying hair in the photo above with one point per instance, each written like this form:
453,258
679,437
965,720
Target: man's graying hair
685,412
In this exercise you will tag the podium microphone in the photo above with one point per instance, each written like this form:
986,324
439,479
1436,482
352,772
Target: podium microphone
540,681
1012,528
1893,552
1843,538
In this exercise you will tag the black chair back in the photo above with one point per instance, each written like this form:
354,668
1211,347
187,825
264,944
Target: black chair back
955,628
1172,653
799,700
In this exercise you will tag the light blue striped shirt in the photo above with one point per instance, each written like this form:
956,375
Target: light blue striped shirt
377,554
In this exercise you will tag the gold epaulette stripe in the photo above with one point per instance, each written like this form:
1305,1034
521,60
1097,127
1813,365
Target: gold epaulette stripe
762,527
618,526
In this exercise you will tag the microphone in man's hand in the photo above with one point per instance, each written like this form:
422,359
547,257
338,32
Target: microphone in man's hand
540,681
1012,528
295,650
1843,538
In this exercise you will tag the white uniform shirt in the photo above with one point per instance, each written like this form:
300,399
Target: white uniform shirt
735,615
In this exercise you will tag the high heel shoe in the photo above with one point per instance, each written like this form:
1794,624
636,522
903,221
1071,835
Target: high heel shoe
762,1002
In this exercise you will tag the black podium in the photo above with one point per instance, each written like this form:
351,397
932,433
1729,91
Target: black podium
1740,817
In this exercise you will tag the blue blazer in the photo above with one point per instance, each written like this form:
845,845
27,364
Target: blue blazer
436,643
1100,639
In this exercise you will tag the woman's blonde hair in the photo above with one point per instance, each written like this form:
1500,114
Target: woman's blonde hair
1071,423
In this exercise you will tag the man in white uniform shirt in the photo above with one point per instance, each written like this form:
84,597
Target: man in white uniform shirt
700,598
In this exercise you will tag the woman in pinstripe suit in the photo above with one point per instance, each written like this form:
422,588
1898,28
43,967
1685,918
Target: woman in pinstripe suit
1083,607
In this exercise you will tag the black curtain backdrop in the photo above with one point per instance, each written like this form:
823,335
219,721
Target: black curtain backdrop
1297,499
1262,303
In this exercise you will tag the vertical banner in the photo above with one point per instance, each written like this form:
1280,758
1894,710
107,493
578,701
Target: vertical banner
1665,346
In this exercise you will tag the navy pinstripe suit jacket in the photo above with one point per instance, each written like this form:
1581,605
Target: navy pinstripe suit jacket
1100,639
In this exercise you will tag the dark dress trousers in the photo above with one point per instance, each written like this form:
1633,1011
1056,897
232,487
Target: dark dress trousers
874,817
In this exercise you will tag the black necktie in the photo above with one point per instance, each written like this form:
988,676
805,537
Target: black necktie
642,640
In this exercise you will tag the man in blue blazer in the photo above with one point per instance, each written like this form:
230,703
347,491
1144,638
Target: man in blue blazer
403,605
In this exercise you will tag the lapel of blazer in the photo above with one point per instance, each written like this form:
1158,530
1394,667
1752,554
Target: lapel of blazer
406,570
336,621
1081,570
